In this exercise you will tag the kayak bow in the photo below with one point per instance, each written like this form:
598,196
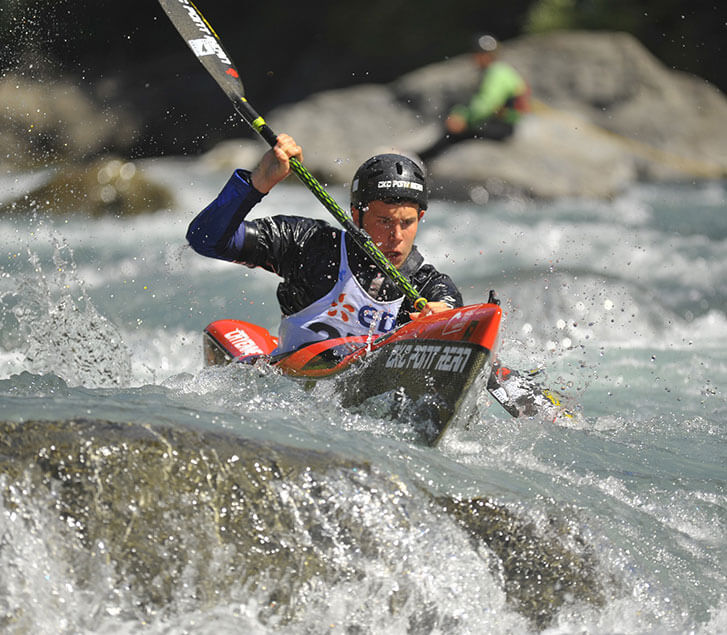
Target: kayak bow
437,365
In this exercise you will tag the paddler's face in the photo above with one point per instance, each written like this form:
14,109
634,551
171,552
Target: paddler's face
392,227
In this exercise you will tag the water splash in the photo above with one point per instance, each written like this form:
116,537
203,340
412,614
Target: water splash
50,322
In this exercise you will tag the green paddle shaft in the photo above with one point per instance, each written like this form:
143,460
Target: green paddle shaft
207,46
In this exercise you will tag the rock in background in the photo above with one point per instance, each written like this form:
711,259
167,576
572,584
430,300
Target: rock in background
605,115
44,122
104,186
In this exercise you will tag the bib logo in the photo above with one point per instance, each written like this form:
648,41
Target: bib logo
344,309
368,315
366,319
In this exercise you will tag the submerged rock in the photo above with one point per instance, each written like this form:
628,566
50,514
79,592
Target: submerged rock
540,574
105,186
180,512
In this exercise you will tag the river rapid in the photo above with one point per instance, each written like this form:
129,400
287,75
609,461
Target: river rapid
344,521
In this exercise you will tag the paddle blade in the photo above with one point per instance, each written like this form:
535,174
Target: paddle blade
522,395
205,44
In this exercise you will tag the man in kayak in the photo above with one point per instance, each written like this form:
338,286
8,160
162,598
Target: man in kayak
494,110
330,287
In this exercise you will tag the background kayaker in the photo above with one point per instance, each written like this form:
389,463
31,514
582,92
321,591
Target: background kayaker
495,108
330,287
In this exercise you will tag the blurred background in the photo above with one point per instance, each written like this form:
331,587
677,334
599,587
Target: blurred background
128,58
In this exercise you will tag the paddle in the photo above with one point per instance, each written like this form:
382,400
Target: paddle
520,393
207,46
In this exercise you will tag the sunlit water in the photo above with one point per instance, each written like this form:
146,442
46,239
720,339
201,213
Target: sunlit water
623,303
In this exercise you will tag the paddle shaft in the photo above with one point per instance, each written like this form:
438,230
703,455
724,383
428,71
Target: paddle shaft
207,46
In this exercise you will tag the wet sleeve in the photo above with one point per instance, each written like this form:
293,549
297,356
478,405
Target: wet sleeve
283,244
218,231
435,287
441,288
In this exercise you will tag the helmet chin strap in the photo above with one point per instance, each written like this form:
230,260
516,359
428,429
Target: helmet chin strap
358,217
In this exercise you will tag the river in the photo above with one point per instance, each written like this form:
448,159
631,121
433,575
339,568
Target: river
623,304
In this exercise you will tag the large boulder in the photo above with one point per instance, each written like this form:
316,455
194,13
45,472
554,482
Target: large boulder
545,159
45,122
338,129
671,123
605,114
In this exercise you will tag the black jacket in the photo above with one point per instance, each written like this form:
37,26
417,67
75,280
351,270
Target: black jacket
305,252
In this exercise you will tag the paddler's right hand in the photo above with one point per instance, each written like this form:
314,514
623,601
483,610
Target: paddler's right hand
430,308
275,164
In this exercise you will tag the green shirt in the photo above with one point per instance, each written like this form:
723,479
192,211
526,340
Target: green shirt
501,84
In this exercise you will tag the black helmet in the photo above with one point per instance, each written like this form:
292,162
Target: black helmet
389,177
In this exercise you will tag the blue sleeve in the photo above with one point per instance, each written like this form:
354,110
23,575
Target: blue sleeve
218,231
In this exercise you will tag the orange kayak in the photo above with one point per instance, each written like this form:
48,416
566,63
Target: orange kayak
436,365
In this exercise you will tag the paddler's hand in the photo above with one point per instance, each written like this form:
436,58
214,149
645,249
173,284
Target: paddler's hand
275,164
430,308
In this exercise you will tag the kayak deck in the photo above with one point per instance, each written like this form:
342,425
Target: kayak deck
440,362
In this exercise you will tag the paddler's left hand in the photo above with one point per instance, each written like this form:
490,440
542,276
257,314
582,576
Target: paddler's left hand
430,308
275,164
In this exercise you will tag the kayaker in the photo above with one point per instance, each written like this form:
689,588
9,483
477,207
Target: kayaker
494,110
330,287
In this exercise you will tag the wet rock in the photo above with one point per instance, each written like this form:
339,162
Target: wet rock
106,186
158,499
540,575
191,514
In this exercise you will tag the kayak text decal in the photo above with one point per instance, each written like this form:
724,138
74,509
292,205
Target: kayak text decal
451,359
242,342
207,45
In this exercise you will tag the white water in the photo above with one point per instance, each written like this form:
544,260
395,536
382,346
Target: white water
624,304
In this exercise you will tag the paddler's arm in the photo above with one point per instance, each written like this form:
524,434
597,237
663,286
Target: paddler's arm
443,294
218,231
275,164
